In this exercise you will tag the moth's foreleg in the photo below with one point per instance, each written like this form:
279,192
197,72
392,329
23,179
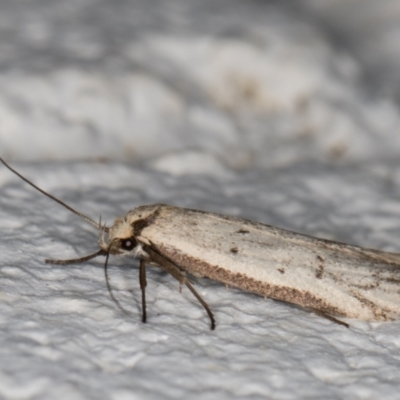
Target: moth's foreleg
79,260
143,284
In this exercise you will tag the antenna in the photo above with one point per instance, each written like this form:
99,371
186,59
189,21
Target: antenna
87,219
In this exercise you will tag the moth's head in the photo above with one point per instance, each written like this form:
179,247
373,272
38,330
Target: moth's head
124,236
119,239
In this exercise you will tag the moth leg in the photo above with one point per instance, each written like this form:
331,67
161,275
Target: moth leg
175,271
143,284
80,260
180,277
327,316
202,302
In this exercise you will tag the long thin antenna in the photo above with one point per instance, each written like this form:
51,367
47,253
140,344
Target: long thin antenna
87,219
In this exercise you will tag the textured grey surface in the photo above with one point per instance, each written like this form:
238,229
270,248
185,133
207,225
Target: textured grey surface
61,335
252,109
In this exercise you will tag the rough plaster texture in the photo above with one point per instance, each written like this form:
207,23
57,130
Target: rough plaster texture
252,109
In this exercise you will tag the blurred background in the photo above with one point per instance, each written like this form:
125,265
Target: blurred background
200,83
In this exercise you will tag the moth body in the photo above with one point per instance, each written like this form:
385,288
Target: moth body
320,275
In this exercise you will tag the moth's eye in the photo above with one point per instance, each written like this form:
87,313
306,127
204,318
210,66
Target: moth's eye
128,244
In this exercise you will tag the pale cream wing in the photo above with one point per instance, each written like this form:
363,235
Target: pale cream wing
318,274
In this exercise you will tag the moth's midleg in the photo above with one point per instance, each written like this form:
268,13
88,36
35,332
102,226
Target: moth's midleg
175,271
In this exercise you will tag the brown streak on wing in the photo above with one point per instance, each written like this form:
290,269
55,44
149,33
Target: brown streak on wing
287,294
380,313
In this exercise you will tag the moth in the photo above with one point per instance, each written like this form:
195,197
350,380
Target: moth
329,278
